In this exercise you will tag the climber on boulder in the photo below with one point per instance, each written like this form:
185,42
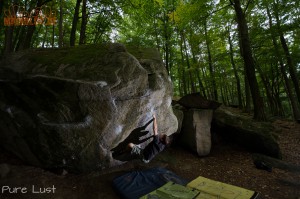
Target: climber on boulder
158,144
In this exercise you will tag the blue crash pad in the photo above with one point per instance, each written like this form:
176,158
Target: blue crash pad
135,184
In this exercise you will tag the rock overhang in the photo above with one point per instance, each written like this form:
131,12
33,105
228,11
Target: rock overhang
80,111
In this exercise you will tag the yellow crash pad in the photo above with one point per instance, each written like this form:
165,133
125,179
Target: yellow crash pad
172,191
210,189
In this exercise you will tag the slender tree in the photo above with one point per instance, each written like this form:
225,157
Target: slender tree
82,39
74,23
60,25
1,12
31,29
187,61
238,81
9,30
288,86
290,64
210,64
166,40
259,113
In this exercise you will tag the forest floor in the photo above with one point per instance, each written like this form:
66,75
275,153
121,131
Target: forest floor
226,163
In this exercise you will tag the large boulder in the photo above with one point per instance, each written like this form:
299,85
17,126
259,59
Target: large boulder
259,137
68,108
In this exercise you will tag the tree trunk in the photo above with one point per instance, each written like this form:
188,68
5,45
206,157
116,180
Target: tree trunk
1,9
53,36
1,6
291,66
259,113
20,38
179,82
28,37
277,82
202,89
292,69
268,89
293,100
156,35
60,25
238,81
183,78
167,41
193,90
211,67
35,38
82,39
223,96
74,23
201,86
31,29
184,84
206,82
17,35
8,45
45,37
230,90
288,86
9,33
1,13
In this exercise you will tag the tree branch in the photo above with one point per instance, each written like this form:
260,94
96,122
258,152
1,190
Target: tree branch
249,1
214,11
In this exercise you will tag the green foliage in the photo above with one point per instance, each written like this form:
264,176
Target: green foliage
191,35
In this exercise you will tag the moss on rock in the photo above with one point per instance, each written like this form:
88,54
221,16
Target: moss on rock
260,137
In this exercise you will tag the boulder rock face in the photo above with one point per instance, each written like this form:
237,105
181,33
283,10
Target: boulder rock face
179,113
68,108
259,137
195,133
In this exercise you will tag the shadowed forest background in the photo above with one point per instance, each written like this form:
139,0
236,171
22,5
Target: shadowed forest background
243,53
72,96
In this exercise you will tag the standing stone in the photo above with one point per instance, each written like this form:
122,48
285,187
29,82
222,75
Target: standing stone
195,133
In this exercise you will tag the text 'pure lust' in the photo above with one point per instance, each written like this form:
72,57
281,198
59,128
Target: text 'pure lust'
34,189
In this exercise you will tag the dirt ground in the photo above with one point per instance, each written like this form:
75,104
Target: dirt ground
226,163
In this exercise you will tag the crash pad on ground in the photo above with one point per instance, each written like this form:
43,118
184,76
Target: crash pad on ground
161,183
136,184
172,190
214,189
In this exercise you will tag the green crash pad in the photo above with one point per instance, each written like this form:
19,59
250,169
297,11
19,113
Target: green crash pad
210,189
172,191
201,188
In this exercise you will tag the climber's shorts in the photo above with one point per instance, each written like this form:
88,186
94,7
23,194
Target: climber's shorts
138,152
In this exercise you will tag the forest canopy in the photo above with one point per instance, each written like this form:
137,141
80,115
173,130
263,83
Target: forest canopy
242,53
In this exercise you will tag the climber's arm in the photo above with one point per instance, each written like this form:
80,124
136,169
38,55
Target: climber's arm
154,126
